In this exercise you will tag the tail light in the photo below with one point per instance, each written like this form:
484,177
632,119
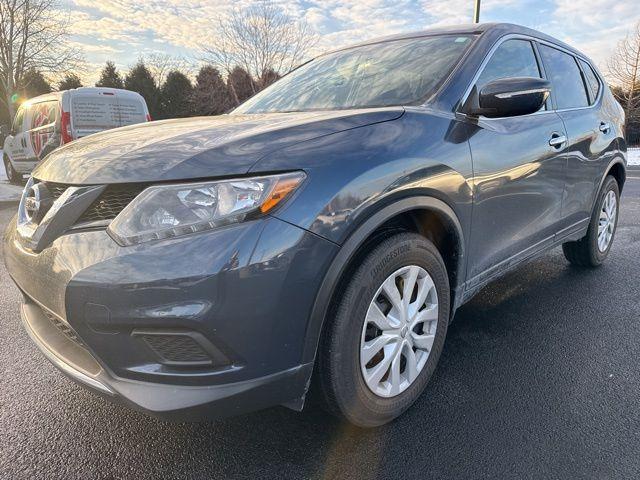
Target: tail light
65,127
149,117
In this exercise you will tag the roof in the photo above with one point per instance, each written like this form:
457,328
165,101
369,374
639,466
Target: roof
59,93
469,28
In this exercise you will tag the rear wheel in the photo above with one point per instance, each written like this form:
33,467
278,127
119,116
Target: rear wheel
386,335
13,176
592,249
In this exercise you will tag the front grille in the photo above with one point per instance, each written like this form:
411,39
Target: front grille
177,349
111,202
107,206
64,328
56,189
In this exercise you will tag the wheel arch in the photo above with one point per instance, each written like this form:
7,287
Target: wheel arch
618,171
422,211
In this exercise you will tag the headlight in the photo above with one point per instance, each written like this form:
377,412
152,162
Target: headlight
166,211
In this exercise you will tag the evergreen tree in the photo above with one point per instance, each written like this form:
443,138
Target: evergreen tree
175,95
241,85
210,95
139,79
33,84
71,80
110,77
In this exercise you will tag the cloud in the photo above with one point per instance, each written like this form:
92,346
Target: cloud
125,28
591,28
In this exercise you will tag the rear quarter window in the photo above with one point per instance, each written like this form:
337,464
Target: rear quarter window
591,79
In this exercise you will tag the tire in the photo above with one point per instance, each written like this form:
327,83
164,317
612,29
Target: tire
14,177
341,382
587,251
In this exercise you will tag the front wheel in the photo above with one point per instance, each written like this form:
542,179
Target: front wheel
592,249
14,177
387,332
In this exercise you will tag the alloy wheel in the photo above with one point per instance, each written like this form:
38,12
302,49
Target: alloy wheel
607,220
399,331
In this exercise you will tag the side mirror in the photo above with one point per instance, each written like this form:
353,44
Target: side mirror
509,97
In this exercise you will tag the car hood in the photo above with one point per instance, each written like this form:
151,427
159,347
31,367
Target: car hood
193,148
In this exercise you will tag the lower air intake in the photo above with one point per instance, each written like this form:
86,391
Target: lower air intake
64,328
177,349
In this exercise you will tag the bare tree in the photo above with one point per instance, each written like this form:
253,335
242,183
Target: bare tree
260,38
160,64
33,35
624,71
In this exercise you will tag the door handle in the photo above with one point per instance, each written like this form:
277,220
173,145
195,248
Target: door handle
605,127
557,140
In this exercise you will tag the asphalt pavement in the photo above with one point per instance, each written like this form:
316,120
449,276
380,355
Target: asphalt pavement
540,378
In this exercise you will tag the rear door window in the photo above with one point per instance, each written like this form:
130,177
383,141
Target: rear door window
591,79
513,58
95,113
566,79
130,111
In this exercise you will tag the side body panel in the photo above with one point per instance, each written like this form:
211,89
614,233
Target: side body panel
518,187
590,152
42,122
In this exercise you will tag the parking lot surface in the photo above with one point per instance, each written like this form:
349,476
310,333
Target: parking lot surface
539,378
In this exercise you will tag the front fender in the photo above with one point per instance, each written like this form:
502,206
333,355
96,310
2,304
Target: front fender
353,244
360,178
353,173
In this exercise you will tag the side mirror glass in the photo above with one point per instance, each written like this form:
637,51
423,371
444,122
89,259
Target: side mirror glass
509,97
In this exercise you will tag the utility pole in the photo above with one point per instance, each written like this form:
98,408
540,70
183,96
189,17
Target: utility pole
476,12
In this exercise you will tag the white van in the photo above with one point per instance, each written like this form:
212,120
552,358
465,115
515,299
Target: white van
44,123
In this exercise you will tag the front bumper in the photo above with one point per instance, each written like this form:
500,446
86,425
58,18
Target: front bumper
24,166
238,297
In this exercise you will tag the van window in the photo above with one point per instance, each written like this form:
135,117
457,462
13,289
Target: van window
130,111
43,113
18,121
566,79
90,114
95,113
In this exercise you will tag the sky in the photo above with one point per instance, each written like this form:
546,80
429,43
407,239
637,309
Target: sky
125,30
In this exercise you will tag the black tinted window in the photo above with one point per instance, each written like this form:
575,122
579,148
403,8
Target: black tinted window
514,58
567,84
593,85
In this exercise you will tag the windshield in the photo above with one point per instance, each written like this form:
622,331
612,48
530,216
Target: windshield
400,72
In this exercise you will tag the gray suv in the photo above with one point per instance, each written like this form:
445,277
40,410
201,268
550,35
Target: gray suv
321,236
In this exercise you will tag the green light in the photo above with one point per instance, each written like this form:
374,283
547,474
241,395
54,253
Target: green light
14,98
